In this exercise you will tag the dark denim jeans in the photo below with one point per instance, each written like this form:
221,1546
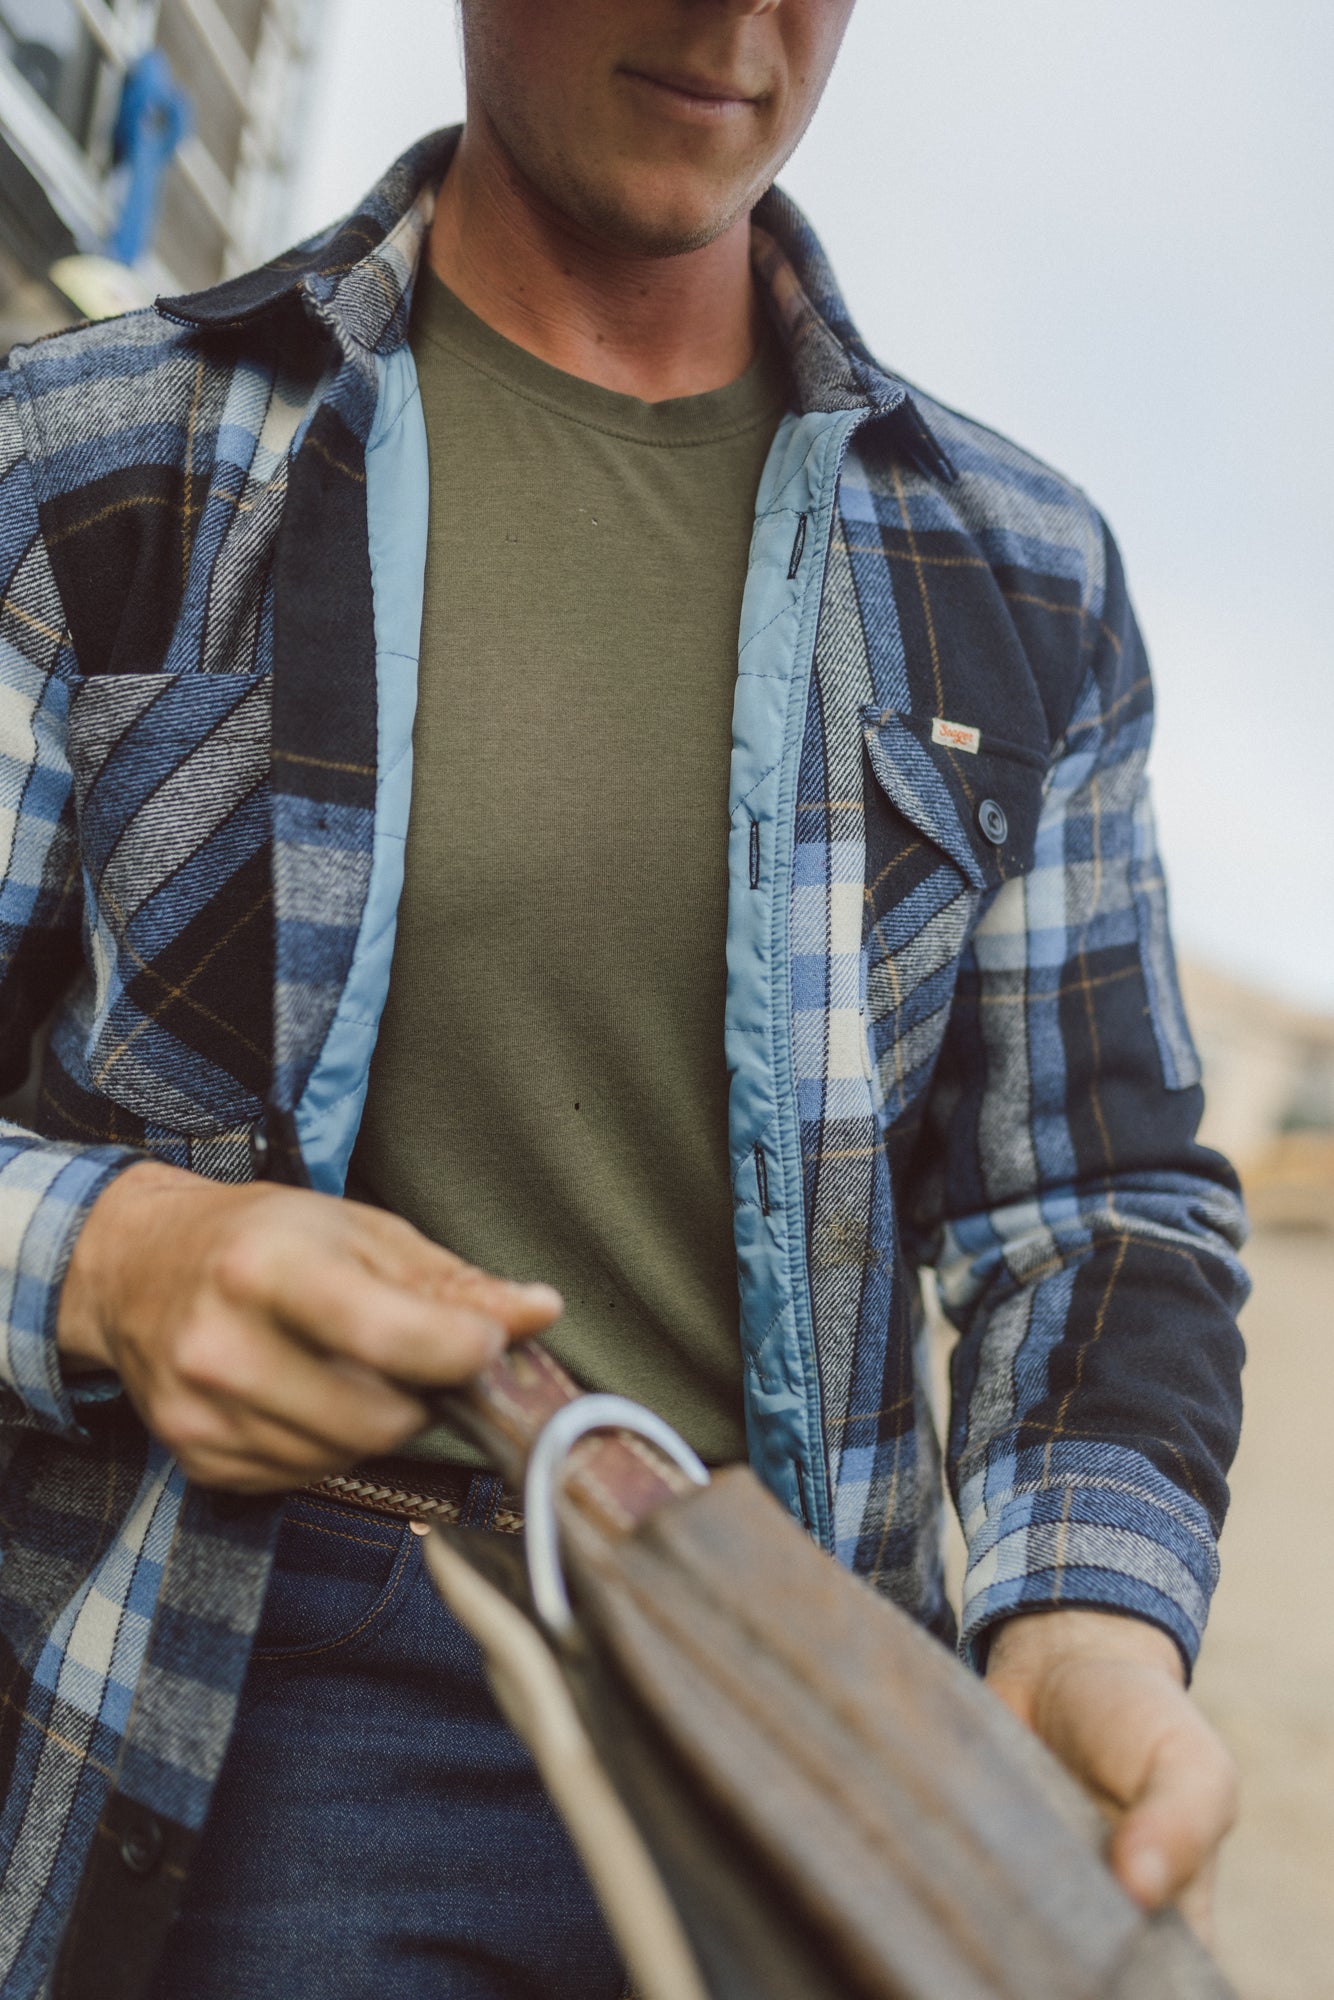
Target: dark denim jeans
378,1832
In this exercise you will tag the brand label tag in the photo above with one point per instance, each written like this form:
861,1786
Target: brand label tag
956,735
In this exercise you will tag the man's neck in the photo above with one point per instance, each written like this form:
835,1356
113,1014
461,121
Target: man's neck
646,326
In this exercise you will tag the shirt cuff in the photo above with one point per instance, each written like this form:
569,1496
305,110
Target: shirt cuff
1081,1527
46,1191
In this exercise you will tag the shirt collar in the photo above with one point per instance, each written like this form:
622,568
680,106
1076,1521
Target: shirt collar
359,274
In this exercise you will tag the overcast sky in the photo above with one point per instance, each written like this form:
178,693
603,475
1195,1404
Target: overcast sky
1102,226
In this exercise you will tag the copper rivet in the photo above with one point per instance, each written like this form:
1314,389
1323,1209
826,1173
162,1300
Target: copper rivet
419,1527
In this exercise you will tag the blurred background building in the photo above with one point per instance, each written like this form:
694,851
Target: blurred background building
242,68
1269,1084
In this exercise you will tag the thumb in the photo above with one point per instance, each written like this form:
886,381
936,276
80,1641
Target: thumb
1187,1804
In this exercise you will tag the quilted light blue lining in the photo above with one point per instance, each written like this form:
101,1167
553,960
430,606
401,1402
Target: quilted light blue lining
397,496
779,616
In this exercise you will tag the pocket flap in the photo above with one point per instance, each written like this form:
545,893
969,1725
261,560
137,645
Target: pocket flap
980,807
171,785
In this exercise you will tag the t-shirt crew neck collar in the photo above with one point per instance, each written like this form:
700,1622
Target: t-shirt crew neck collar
757,397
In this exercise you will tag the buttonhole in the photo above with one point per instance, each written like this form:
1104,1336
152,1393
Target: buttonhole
798,545
806,1521
762,1179
754,854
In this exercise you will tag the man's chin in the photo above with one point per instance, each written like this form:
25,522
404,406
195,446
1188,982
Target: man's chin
650,223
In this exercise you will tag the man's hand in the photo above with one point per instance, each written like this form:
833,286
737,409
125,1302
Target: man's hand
268,1336
1107,1695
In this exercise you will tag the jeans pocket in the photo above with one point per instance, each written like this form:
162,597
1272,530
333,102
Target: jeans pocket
337,1571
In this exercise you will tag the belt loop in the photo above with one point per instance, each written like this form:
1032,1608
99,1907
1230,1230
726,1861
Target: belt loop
484,1492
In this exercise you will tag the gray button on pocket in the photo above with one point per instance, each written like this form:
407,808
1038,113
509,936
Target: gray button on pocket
992,820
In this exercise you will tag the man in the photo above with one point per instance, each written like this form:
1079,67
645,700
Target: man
463,505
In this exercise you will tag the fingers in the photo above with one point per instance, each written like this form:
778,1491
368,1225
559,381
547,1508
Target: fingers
1186,1807
1196,1902
1107,1696
244,1472
398,1252
270,1335
245,1386
402,1309
336,1305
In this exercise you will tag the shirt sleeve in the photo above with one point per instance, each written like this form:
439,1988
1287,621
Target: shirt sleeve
1085,1244
46,1189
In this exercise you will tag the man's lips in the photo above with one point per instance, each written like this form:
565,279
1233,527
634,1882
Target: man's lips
691,95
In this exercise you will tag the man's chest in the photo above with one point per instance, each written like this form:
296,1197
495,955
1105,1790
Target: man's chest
586,562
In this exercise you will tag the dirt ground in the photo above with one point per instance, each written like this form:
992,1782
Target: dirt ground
1266,1675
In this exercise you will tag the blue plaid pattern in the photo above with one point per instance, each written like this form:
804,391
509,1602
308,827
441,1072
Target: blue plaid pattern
993,1074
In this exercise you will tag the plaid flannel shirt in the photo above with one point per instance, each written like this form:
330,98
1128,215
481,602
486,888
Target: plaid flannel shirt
971,1054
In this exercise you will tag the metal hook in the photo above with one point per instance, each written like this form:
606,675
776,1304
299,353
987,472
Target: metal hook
556,1438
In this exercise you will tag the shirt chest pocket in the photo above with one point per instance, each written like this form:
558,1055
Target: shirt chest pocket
945,827
171,789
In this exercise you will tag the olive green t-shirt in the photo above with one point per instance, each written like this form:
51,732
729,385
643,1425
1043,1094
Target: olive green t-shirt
548,1094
